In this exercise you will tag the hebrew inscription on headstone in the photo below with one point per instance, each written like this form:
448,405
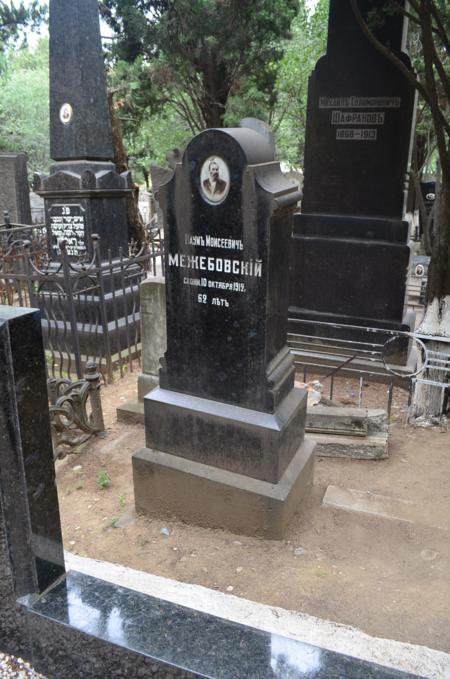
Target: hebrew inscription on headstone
68,222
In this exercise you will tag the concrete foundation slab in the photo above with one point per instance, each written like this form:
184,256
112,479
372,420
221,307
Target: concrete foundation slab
131,412
212,497
366,502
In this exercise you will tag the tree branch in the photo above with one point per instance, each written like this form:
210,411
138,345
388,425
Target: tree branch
409,75
436,113
440,27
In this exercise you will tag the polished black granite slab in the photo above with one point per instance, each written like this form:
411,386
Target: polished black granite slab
28,492
13,629
179,637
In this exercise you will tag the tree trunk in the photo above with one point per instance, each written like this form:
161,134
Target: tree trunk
216,89
213,111
428,400
136,229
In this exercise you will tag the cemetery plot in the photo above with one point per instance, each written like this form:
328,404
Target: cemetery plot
352,569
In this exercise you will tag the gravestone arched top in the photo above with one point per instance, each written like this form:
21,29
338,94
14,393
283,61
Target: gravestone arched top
254,147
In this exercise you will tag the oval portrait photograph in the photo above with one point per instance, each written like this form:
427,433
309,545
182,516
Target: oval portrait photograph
214,180
66,114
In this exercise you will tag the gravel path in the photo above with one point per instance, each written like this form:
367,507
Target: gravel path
16,668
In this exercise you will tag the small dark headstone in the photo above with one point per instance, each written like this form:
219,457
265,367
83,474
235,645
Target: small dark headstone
14,191
225,272
349,253
84,193
226,398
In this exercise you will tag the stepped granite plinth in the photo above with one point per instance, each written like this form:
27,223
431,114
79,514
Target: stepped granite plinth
225,429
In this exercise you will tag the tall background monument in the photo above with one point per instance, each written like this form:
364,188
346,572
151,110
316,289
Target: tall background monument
349,247
84,193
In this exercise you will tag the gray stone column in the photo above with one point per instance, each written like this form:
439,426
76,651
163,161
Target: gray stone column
153,341
153,332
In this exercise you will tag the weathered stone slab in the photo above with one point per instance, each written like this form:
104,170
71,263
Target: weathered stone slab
153,341
131,412
373,447
153,332
346,421
336,420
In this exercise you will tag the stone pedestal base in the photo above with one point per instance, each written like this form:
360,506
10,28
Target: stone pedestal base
240,440
165,484
349,271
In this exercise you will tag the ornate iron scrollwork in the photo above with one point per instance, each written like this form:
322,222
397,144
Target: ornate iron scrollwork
75,410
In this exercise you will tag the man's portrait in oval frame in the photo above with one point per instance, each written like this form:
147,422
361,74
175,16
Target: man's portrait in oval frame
214,180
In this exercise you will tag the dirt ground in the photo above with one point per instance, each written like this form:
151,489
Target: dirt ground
389,578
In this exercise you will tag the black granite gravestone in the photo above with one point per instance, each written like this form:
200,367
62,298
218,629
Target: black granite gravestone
84,193
29,511
226,407
14,191
349,254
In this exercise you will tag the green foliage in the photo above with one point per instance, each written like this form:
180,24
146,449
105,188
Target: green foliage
154,138
103,479
24,117
308,44
150,127
15,17
199,52
191,65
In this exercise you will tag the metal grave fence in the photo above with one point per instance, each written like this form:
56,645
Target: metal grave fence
397,359
90,308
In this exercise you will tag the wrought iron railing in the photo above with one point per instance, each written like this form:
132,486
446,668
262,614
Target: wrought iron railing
75,411
90,308
398,359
